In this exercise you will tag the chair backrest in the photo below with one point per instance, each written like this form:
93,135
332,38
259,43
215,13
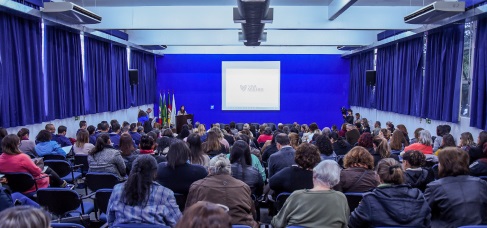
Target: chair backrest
66,225
96,181
136,225
256,125
272,126
239,126
483,178
240,226
181,200
58,201
81,159
20,182
53,157
102,196
61,167
353,199
281,199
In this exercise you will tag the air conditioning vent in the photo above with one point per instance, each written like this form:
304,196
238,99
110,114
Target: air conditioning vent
434,12
70,13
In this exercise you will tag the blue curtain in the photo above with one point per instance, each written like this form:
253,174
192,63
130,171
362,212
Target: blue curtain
21,87
478,114
144,91
106,77
386,75
64,73
359,93
408,83
443,69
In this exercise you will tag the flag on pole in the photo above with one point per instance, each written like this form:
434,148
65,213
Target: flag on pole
169,109
164,110
160,108
173,113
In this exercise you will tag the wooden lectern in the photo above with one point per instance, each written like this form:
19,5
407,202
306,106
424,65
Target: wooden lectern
182,120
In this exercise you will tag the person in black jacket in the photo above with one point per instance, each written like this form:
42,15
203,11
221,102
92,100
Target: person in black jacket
456,199
340,145
414,174
242,168
480,151
392,203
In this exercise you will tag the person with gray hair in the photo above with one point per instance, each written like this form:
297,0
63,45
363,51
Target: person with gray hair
424,144
221,188
320,206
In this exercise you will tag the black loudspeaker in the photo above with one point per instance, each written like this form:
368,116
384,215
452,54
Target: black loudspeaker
370,77
134,76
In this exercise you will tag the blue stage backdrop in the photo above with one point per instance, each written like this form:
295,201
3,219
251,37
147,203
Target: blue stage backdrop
313,87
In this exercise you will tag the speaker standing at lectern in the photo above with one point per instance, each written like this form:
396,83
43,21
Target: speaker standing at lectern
182,111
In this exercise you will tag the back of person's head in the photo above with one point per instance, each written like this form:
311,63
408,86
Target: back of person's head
126,144
44,136
141,113
24,217
396,140
358,157
115,127
240,153
294,140
243,137
390,171
307,156
466,139
267,131
137,188
417,131
140,129
133,127
168,133
10,144
204,214
377,124
125,130
447,141
282,139
104,126
425,138
61,129
112,122
402,128
285,129
366,140
382,147
184,133
82,137
91,129
386,133
453,161
146,142
327,173
220,165
178,154
102,141
23,132
196,152
482,141
446,129
125,124
232,125
324,145
313,127
440,130
358,125
82,124
415,158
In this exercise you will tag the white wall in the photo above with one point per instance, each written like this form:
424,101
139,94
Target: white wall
412,122
129,115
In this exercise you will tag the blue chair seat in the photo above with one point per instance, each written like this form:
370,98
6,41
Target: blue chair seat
68,178
136,225
66,225
103,217
89,207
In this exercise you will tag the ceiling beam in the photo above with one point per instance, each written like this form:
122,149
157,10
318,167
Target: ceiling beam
337,7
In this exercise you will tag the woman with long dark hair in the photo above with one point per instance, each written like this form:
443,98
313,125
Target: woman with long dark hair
242,168
177,174
197,156
448,141
141,200
104,158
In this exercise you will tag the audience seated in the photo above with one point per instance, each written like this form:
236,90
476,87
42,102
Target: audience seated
424,143
392,203
466,141
92,132
265,136
142,200
176,174
128,152
115,135
228,136
205,215
358,175
456,199
440,131
366,141
480,151
197,156
133,132
377,128
299,176
61,138
317,207
352,135
104,158
385,133
414,174
25,217
220,187
294,140
27,146
47,147
404,130
282,158
416,136
325,147
340,145
165,141
222,139
213,145
82,145
242,169
343,130
448,141
397,142
382,148
146,145
256,163
270,147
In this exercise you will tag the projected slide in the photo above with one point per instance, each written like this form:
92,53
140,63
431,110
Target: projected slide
251,85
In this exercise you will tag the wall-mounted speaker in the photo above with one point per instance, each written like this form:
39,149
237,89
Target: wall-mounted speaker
134,76
370,76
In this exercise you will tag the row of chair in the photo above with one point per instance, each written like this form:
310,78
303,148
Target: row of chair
239,126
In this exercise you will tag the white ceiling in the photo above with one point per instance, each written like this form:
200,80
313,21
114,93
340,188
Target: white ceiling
202,26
